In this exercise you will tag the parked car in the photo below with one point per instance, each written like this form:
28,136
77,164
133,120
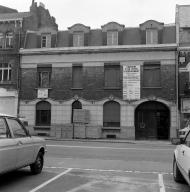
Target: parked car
182,132
181,161
18,148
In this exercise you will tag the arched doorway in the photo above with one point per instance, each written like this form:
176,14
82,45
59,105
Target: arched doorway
75,105
43,113
152,121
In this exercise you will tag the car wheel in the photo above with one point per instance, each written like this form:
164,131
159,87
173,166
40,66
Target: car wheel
178,177
37,166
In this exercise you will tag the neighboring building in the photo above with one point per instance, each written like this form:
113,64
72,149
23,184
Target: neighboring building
183,40
122,78
14,26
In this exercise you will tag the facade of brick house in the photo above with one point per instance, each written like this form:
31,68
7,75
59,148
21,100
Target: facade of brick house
183,41
14,26
112,82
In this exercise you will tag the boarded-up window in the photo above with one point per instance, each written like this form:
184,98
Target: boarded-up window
43,113
77,76
151,75
151,36
111,114
112,37
78,39
112,76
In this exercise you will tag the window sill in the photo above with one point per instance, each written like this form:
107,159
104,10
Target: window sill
111,128
76,88
111,88
152,87
7,82
43,88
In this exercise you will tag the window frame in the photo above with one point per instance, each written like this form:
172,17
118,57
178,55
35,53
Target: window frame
77,83
107,69
78,39
46,43
154,66
45,69
9,38
7,68
112,37
8,134
153,39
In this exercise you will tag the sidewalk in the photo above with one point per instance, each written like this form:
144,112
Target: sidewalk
148,142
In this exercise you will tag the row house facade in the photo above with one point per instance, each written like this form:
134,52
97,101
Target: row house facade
183,41
14,26
111,82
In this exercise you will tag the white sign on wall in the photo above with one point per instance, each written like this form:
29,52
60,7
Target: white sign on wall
42,93
131,82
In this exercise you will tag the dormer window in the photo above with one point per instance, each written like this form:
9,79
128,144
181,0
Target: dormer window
112,30
151,36
78,33
112,37
151,32
78,39
46,40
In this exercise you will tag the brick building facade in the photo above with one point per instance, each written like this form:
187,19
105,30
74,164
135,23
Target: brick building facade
183,40
78,82
14,26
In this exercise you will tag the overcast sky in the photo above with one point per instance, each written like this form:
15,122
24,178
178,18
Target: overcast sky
95,13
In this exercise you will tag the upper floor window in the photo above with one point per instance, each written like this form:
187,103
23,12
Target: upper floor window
151,36
78,39
77,76
6,40
9,40
112,76
46,40
112,37
2,40
5,72
151,75
44,76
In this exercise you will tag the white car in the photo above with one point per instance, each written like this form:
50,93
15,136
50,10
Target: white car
18,148
181,161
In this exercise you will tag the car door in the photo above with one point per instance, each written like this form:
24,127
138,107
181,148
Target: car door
25,143
185,155
8,148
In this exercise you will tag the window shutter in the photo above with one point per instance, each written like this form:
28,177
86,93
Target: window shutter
143,37
104,38
160,36
53,40
120,38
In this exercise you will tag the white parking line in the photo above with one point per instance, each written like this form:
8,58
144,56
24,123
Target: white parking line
93,147
161,183
50,180
111,170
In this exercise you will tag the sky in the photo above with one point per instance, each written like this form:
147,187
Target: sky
95,13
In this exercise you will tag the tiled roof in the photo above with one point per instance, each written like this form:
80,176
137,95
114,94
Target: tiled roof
13,16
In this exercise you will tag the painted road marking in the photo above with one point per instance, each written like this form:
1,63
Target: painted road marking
92,147
161,183
50,180
110,170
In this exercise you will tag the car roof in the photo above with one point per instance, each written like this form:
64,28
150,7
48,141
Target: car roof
6,115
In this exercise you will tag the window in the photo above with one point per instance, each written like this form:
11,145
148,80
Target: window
112,37
43,113
75,105
17,128
78,39
77,76
4,131
44,76
1,40
151,36
151,75
111,114
9,40
46,40
112,76
5,72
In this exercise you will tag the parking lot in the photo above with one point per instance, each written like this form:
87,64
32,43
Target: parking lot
84,167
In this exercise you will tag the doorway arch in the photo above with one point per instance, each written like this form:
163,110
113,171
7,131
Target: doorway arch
152,121
75,105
